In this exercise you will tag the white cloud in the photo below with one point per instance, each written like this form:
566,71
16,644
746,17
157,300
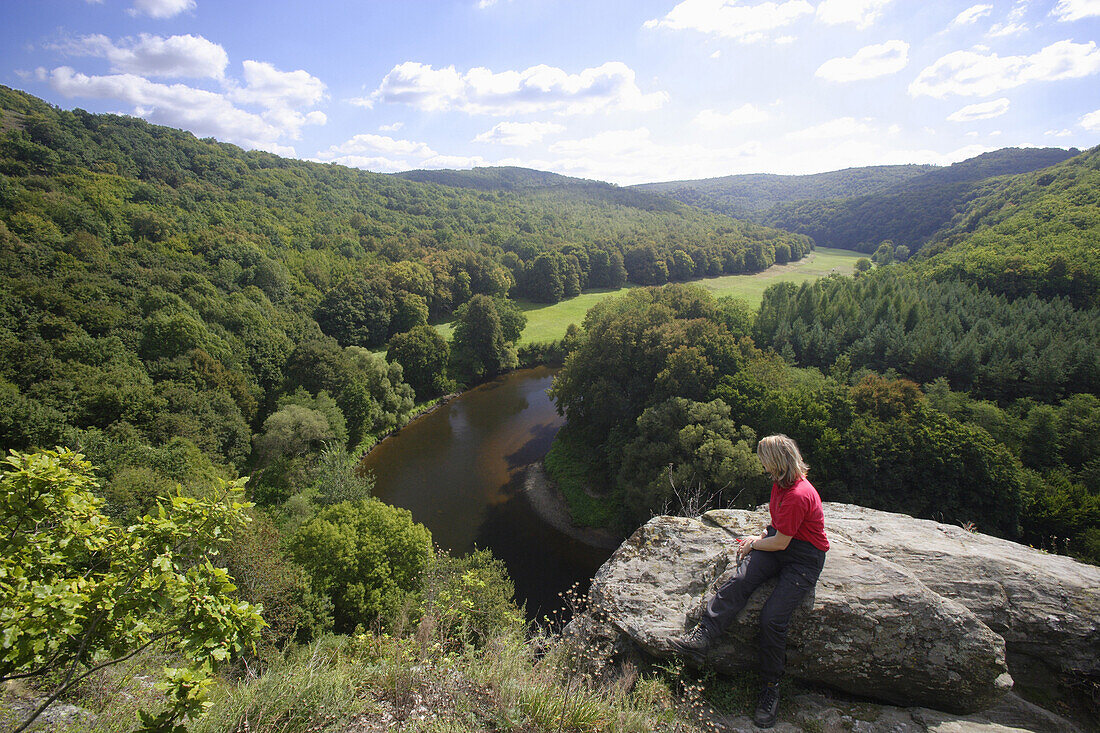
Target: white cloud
394,127
980,111
366,143
867,63
388,155
268,87
747,23
542,88
1058,133
1070,10
453,161
176,105
1000,30
518,133
968,73
716,54
785,40
161,8
148,55
863,13
1091,121
838,128
632,156
746,114
972,14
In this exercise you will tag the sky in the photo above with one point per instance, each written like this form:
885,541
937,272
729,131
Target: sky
626,91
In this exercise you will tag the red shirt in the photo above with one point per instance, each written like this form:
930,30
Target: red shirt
796,512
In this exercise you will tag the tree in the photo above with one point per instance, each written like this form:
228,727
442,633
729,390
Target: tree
616,271
410,310
423,355
357,312
480,349
292,431
863,264
884,255
366,556
544,279
685,445
79,593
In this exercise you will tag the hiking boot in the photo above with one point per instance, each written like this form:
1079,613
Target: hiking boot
693,644
767,707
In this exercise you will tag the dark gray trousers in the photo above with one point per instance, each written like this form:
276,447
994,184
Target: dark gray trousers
798,568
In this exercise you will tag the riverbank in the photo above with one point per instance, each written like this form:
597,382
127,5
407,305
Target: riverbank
547,501
367,445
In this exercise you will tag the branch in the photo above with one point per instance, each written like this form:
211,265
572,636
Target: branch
69,681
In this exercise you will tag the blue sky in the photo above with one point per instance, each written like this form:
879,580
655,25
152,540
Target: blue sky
624,91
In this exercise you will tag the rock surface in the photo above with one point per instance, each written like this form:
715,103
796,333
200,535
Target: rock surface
811,711
1046,607
871,628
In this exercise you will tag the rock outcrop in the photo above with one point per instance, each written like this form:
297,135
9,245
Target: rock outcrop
908,611
1046,607
871,628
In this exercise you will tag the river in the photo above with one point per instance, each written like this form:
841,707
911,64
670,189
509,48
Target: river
459,469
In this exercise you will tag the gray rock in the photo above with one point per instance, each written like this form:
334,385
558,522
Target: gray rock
1046,607
871,628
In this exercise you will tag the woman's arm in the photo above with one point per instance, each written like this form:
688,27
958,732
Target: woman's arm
773,543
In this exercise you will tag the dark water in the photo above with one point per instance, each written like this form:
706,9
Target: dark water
460,470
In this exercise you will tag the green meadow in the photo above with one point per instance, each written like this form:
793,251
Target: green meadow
548,322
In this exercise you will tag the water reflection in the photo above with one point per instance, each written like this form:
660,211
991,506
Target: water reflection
460,469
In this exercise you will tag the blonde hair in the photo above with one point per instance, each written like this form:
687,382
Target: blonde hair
782,460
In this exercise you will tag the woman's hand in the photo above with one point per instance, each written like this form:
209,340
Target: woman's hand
745,547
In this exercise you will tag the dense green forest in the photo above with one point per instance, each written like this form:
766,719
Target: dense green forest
750,195
668,390
910,212
859,208
161,288
184,313
1033,233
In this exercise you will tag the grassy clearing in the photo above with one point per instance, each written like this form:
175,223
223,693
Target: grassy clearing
548,322
819,263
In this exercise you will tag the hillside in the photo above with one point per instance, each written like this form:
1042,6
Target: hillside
529,181
128,248
909,212
1034,233
753,194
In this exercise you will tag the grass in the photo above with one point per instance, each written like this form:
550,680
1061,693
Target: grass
548,322
567,467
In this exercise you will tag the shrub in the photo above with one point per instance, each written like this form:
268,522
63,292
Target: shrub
366,556
471,598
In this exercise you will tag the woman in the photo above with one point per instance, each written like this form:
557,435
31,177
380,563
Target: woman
793,548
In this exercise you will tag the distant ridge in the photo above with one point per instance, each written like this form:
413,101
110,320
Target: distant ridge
744,195
529,180
910,212
497,178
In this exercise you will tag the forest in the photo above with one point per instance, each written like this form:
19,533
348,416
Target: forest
752,194
859,208
197,343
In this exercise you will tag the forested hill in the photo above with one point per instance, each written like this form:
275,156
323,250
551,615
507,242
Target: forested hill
910,212
497,178
546,185
156,286
753,194
1033,233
